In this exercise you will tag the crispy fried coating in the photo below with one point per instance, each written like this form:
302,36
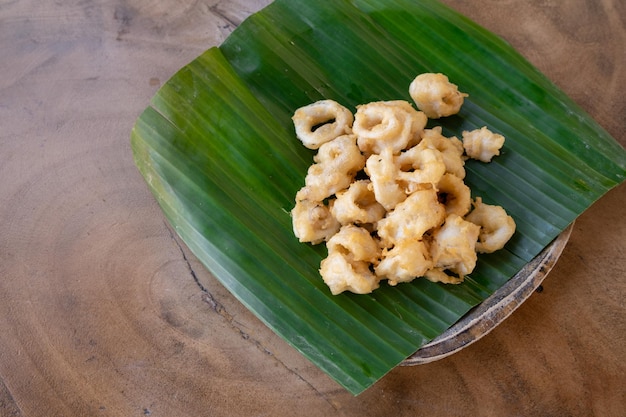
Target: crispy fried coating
387,124
408,259
347,268
356,243
454,245
496,226
357,204
435,95
312,221
482,144
454,194
336,164
420,212
383,172
321,122
451,150
341,274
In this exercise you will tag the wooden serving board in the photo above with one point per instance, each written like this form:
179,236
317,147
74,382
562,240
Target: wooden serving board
104,312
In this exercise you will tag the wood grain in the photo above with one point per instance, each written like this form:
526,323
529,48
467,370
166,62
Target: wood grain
104,312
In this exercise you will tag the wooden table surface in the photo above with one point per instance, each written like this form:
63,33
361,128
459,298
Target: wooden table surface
100,314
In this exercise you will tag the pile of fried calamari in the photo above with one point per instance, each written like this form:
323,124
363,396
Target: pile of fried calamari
387,195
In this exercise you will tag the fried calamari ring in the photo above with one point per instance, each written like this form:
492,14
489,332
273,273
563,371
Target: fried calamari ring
337,163
453,246
454,194
312,221
347,268
383,173
340,274
418,118
420,212
496,226
321,122
356,243
451,149
357,204
482,144
420,166
383,124
407,260
435,95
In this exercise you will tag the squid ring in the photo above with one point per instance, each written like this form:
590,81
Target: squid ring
456,195
496,226
435,95
383,171
337,163
312,220
408,259
321,122
357,204
356,243
451,149
420,166
384,124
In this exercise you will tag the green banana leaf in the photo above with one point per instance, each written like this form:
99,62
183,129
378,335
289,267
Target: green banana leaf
218,150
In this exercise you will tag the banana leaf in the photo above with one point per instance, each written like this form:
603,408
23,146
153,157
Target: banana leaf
217,148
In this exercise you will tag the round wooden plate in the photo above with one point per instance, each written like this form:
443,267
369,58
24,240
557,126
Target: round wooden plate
482,319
